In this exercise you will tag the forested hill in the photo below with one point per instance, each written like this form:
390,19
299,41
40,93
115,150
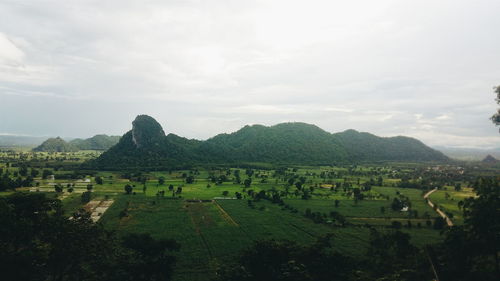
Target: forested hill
97,142
55,145
368,147
297,143
146,146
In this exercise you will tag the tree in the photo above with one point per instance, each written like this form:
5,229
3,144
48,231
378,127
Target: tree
153,261
34,172
38,242
248,182
128,189
86,196
470,251
273,260
161,180
46,173
225,193
482,217
98,180
393,257
189,179
496,117
23,170
90,187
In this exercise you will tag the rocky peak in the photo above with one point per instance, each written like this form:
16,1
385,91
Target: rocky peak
146,131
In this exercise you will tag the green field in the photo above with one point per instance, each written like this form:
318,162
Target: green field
448,201
219,227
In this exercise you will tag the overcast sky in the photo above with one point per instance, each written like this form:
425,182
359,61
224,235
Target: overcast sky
417,68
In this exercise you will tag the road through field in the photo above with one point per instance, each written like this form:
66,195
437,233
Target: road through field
441,213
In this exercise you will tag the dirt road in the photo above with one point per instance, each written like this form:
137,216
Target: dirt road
441,213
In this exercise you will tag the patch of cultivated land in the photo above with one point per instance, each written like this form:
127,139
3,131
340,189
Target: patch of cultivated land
449,203
212,231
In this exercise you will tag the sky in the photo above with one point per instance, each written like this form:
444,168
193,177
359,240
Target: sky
424,69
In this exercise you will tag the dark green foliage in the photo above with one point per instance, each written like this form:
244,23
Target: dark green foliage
495,118
471,251
128,189
189,179
151,259
38,243
55,145
439,223
147,147
161,180
97,142
58,188
391,256
272,260
285,143
86,196
98,180
368,147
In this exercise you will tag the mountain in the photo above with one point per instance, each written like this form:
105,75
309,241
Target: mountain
469,154
97,142
147,147
285,143
55,145
490,160
20,141
368,147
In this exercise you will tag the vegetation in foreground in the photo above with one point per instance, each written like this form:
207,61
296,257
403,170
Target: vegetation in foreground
214,213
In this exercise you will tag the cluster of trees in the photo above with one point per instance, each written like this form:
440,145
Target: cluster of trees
469,252
390,256
14,180
38,242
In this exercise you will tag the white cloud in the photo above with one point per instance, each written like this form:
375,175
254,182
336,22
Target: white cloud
387,67
9,52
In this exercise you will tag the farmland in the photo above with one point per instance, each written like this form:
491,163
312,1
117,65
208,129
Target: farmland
215,212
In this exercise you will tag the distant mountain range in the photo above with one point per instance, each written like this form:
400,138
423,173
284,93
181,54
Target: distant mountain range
55,145
97,142
469,154
20,141
147,147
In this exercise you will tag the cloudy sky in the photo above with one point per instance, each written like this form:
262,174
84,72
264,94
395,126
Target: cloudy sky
418,68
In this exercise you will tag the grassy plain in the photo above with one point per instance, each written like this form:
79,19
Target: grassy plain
216,229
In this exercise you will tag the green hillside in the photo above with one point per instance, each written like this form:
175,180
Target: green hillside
55,145
147,147
282,143
367,147
97,142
